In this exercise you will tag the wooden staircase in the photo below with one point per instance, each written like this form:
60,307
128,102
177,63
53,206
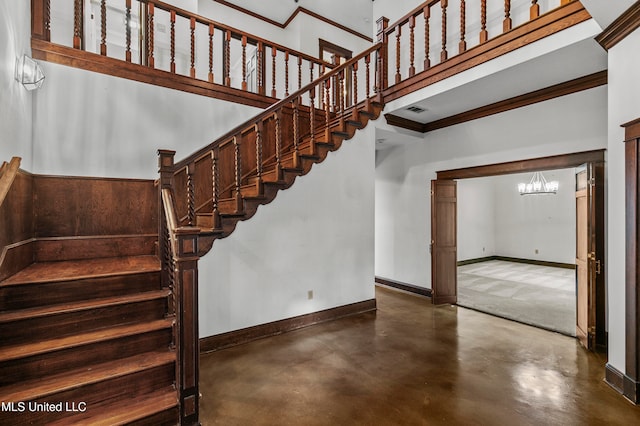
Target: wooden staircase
98,278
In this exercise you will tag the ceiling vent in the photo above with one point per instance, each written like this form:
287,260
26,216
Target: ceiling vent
416,109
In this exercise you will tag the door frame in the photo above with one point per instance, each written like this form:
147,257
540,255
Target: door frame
563,161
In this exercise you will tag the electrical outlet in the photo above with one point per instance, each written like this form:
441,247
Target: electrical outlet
536,251
310,294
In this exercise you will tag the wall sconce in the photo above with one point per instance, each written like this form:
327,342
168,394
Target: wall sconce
29,73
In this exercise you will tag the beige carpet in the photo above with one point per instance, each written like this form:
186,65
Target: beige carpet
537,295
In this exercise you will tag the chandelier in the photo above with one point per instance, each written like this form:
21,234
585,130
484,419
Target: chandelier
538,185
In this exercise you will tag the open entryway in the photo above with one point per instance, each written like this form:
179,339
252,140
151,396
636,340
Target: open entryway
543,289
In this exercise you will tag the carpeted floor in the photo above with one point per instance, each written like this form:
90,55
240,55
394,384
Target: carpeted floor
537,295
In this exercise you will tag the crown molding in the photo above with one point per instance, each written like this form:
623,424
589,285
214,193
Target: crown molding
295,13
619,29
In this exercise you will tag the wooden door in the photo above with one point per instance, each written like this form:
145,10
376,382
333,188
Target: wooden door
589,256
444,278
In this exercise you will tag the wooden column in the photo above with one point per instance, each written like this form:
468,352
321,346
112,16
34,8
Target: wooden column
631,385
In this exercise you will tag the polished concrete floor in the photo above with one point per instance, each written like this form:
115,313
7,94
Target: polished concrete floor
538,295
411,364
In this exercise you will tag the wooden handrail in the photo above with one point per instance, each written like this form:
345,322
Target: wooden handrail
8,173
275,107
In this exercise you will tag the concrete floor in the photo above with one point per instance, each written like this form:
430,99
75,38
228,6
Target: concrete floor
411,364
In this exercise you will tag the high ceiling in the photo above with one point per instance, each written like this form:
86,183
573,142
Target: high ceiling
355,14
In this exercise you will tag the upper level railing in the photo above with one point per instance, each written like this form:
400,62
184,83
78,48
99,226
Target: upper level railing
439,30
163,37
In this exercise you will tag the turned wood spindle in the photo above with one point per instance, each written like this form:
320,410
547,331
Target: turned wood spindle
355,83
260,69
211,29
312,116
327,106
127,25
77,24
299,72
286,73
412,26
398,34
191,202
244,62
103,27
296,126
215,186
278,145
227,58
443,54
172,42
483,22
534,10
274,52
150,32
427,48
462,46
367,60
47,20
237,170
192,71
506,24
258,130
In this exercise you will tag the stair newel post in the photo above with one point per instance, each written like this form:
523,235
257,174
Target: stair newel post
534,10
165,169
327,112
127,20
189,344
238,174
211,29
259,127
215,187
78,23
103,27
41,19
506,24
191,202
277,117
382,57
462,46
192,70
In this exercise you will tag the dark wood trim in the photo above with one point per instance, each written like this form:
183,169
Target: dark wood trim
422,291
63,55
559,19
518,260
619,29
405,123
298,10
327,46
566,88
561,161
476,260
632,262
614,378
245,335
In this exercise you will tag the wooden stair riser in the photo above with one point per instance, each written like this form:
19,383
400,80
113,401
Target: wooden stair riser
59,249
116,390
59,361
24,296
66,324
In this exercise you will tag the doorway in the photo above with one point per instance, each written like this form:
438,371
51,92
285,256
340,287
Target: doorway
444,242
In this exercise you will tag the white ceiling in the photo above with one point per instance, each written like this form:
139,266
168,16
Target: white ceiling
355,14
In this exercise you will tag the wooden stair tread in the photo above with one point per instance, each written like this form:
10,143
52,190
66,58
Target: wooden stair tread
43,311
40,347
77,269
41,387
120,414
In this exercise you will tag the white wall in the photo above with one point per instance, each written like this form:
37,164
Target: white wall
624,92
567,124
92,124
15,100
476,218
316,235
